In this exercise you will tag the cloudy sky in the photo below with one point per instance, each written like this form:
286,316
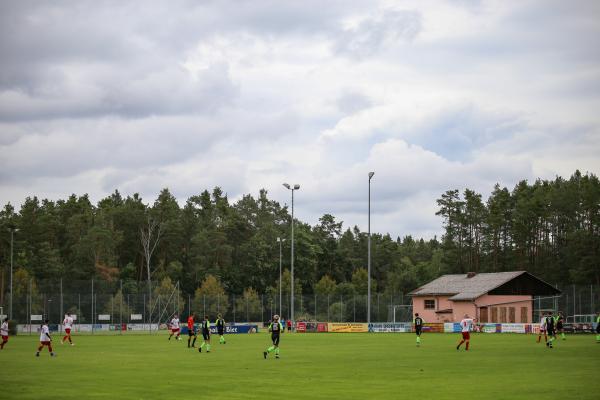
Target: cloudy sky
431,95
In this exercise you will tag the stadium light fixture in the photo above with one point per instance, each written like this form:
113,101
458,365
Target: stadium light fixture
295,187
369,255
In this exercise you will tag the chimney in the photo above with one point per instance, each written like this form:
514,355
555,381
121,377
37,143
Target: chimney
471,274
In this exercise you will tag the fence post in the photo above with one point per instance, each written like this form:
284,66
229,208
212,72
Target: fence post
233,308
92,306
354,305
316,319
78,310
247,315
30,305
574,302
328,308
378,316
218,303
61,304
341,307
121,309
262,308
204,313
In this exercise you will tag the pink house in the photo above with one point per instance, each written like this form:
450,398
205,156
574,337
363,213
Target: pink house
501,297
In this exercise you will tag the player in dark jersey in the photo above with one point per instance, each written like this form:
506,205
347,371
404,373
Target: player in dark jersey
205,335
220,323
560,320
418,324
550,329
276,329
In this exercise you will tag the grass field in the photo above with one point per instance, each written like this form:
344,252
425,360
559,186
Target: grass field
316,366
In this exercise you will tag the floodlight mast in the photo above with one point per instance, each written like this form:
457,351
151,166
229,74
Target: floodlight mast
280,241
369,255
291,317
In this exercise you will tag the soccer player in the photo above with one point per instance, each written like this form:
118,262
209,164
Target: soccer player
45,339
205,335
221,328
276,329
4,333
68,325
418,323
175,328
559,320
191,330
289,325
466,326
543,329
550,330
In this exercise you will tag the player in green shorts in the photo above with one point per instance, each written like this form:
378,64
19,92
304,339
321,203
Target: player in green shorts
276,329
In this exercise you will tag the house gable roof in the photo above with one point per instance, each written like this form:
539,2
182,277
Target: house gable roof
462,288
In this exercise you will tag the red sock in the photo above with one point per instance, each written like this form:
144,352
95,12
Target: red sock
70,341
545,337
50,348
467,345
40,348
461,342
65,338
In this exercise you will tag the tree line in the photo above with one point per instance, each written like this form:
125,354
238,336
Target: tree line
550,228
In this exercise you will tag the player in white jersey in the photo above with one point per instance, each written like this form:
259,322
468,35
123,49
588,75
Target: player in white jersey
45,339
466,326
175,328
68,325
543,329
4,333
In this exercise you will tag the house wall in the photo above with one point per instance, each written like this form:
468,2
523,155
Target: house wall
441,303
473,309
523,307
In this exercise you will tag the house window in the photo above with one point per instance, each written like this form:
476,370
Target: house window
511,315
429,304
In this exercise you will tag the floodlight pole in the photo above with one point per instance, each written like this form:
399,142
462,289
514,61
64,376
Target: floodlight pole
280,240
296,187
12,233
369,255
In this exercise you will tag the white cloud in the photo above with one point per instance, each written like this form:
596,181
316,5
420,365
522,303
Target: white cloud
430,95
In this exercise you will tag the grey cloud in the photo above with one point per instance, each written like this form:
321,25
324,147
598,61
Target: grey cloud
374,33
351,102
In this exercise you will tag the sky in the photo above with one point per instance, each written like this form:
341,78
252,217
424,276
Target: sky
189,95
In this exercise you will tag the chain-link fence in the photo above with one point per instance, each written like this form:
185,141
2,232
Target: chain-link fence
101,302
577,303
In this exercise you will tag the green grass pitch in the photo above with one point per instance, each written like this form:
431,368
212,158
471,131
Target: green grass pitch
315,366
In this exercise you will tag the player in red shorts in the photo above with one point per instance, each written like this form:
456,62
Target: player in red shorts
45,339
466,326
4,333
175,328
68,325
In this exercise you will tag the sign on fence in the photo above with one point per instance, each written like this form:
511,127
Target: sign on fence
338,327
322,327
301,327
390,327
136,317
36,317
103,317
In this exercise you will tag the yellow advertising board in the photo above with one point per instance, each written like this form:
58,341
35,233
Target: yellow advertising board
347,327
